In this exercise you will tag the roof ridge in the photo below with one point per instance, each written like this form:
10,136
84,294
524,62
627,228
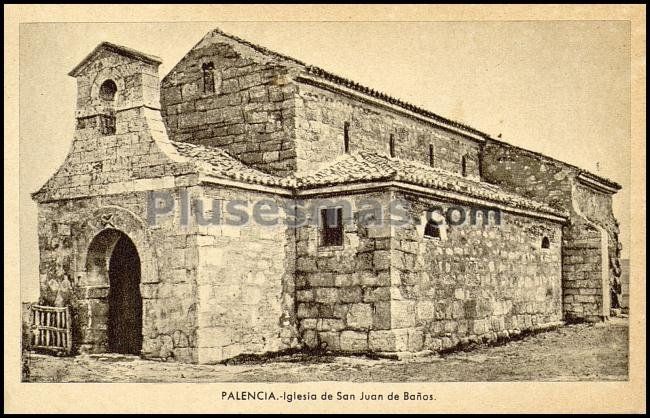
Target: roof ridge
330,76
256,47
119,49
327,75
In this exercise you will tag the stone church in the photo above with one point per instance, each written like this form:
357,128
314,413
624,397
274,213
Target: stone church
235,122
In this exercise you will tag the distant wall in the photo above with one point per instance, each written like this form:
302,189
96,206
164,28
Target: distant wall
587,254
527,174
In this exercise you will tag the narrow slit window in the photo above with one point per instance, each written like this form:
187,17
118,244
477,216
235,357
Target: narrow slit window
431,161
432,229
346,137
107,124
208,77
463,166
332,227
392,145
546,243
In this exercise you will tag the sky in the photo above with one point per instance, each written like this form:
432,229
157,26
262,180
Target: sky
561,88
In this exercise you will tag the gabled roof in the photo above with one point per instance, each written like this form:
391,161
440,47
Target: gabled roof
357,168
313,71
118,49
366,166
218,163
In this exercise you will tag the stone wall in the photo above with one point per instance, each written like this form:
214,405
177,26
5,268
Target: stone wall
320,119
67,229
597,208
557,184
388,288
343,293
136,156
251,112
245,281
583,253
136,81
527,174
477,282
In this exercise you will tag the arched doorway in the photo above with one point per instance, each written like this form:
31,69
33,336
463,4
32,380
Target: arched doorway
124,300
113,259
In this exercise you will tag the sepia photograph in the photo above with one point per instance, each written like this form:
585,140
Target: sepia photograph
371,201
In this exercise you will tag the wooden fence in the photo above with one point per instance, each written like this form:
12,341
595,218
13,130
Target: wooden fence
51,328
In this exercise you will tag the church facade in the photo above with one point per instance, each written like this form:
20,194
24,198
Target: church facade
171,229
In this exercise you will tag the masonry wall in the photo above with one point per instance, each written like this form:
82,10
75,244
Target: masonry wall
343,293
101,188
478,282
320,117
597,208
250,114
527,174
168,272
584,268
555,183
245,279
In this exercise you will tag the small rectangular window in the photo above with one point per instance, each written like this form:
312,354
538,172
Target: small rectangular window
346,137
432,230
392,145
463,166
431,162
107,124
332,227
208,77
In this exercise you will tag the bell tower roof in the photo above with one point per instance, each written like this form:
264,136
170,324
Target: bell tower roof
118,49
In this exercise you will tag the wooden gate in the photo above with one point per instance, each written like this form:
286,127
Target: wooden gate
51,328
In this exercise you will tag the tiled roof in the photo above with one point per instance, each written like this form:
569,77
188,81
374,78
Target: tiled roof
353,168
331,77
365,166
218,163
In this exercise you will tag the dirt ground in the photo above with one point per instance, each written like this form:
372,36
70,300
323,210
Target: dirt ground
571,353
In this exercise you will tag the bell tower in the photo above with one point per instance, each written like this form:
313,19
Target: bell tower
113,79
120,137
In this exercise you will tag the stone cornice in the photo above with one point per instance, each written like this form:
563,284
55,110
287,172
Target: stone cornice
598,183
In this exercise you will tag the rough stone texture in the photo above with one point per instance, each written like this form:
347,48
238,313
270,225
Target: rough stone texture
343,292
138,156
404,292
103,186
582,273
251,113
245,284
477,281
263,114
70,276
320,117
591,222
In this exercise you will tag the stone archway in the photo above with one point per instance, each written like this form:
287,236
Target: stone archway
114,261
97,240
